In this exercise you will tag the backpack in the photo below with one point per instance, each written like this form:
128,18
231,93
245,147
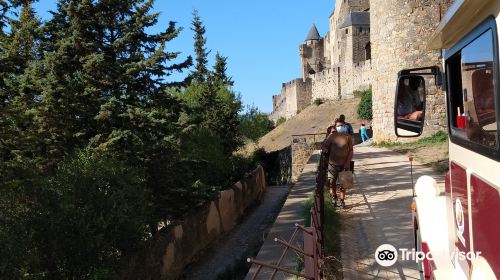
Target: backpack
349,128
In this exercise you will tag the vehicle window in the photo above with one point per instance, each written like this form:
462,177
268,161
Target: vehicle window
471,89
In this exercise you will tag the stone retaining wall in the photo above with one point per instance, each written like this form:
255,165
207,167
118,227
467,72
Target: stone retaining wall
302,148
177,246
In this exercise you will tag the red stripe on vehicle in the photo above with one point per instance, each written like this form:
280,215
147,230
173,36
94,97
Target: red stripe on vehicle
485,202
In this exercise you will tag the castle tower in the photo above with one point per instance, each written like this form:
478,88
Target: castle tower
312,53
356,31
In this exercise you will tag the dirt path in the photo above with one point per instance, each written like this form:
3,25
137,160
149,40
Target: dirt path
378,213
226,259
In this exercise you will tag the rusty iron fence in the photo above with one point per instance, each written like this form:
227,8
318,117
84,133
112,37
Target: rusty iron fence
313,238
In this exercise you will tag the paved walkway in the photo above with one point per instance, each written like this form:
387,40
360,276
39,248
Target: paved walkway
284,225
378,213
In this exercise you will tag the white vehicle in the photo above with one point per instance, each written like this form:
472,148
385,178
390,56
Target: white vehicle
460,228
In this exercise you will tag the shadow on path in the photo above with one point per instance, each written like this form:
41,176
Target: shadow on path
378,213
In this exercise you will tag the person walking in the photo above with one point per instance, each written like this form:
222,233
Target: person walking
364,135
339,146
350,131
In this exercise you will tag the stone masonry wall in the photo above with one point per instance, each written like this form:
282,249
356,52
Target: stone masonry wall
295,95
304,94
177,246
360,78
400,30
302,148
360,39
285,102
354,77
312,56
325,85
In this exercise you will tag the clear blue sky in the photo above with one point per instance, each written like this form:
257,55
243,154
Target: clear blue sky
260,37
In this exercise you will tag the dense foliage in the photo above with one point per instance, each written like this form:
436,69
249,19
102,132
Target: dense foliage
254,124
97,149
365,105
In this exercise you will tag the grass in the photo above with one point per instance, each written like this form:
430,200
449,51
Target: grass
431,151
437,138
332,267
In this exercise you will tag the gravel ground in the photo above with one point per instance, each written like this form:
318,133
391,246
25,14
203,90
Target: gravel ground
226,259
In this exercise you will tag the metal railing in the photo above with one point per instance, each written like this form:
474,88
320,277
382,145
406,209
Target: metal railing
313,237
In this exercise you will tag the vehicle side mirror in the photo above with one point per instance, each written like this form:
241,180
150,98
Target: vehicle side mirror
409,106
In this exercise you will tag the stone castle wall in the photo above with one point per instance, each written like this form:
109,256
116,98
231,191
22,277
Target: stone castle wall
295,95
304,94
357,77
360,39
325,85
400,30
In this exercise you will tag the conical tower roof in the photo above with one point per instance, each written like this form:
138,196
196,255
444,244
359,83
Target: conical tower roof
313,33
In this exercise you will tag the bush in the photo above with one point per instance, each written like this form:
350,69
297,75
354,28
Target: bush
93,212
365,105
280,121
318,101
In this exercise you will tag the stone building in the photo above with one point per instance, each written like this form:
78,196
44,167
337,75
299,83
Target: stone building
367,43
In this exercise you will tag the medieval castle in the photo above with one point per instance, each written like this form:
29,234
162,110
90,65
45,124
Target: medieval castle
368,42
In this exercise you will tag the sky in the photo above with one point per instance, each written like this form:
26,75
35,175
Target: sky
259,37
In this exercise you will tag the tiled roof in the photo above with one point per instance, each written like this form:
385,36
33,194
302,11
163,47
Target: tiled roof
356,18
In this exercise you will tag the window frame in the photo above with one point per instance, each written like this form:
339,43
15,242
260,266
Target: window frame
488,24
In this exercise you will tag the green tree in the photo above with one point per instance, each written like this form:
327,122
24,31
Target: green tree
66,79
200,72
219,71
254,124
19,47
221,107
101,85
94,213
214,106
365,105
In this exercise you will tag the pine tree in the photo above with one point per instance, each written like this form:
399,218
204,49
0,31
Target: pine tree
200,73
103,87
137,119
19,49
69,97
219,108
220,68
